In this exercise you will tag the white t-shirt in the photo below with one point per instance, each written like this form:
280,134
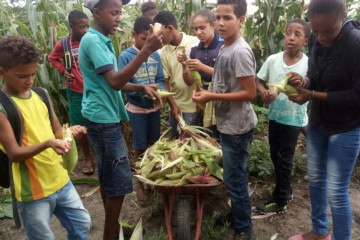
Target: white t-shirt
282,110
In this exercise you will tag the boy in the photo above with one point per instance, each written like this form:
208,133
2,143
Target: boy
79,24
177,42
42,185
144,116
233,89
102,105
285,117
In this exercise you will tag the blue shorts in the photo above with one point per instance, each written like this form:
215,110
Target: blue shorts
145,128
113,163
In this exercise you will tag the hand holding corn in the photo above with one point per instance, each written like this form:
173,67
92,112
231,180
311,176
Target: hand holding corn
154,40
152,93
295,79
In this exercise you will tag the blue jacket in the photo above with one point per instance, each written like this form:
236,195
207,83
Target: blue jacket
151,71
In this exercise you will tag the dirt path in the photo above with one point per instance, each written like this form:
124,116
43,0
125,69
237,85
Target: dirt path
295,220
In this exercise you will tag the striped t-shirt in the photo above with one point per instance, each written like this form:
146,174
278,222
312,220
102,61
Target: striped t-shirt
41,175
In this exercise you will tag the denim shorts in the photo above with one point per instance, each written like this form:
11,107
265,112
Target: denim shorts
145,128
113,164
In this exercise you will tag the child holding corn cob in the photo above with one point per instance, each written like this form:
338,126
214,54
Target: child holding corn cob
202,59
102,106
177,42
332,83
79,24
144,116
285,117
42,185
233,89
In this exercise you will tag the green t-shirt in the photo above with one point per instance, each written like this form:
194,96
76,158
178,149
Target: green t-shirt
100,103
282,110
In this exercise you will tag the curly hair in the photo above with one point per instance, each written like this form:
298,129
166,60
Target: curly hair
17,50
240,6
148,9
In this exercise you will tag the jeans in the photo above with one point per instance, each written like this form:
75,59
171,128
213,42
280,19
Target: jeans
145,128
235,151
113,163
331,161
195,118
282,141
67,207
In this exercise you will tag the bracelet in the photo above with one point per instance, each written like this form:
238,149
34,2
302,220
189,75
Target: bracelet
311,95
185,71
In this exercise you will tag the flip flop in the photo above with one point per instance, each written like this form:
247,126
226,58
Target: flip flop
299,237
90,169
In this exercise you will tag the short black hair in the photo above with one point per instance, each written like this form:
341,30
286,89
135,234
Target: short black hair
166,18
75,16
142,24
17,50
240,6
206,13
148,9
306,26
327,7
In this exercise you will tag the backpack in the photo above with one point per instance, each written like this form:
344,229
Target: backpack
14,116
65,44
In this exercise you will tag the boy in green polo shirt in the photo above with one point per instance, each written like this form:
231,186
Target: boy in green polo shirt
102,105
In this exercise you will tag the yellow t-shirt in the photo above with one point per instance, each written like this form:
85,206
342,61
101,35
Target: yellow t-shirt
173,70
41,175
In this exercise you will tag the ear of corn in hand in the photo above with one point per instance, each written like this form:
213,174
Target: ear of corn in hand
283,87
70,159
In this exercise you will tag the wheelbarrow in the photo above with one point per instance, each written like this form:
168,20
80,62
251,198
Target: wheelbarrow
183,206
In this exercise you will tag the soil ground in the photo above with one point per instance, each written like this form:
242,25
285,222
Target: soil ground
295,220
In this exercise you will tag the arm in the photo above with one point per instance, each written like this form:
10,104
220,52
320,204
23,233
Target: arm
159,78
118,79
149,90
55,56
197,65
247,93
19,154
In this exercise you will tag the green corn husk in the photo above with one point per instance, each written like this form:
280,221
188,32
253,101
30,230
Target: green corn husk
284,87
70,160
138,232
177,175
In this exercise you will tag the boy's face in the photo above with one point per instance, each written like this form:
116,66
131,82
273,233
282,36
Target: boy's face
295,37
140,39
19,79
227,24
79,29
167,34
109,17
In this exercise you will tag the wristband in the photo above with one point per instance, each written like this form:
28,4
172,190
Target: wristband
311,95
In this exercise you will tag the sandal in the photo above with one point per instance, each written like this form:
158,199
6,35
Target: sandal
300,237
90,169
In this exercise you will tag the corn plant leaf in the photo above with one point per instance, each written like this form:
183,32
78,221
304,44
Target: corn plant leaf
90,181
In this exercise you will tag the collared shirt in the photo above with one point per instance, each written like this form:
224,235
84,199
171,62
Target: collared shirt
173,71
207,55
101,103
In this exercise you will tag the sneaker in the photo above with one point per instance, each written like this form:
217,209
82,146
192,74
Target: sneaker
290,198
244,236
271,207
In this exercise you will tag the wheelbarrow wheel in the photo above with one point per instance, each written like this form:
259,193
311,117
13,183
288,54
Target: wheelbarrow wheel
183,218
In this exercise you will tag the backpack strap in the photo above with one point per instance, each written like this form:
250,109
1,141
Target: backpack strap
65,44
13,114
45,98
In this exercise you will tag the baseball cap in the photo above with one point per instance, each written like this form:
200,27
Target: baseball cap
90,4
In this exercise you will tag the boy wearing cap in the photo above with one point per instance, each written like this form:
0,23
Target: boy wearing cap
102,105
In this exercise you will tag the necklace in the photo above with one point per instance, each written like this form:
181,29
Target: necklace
73,59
